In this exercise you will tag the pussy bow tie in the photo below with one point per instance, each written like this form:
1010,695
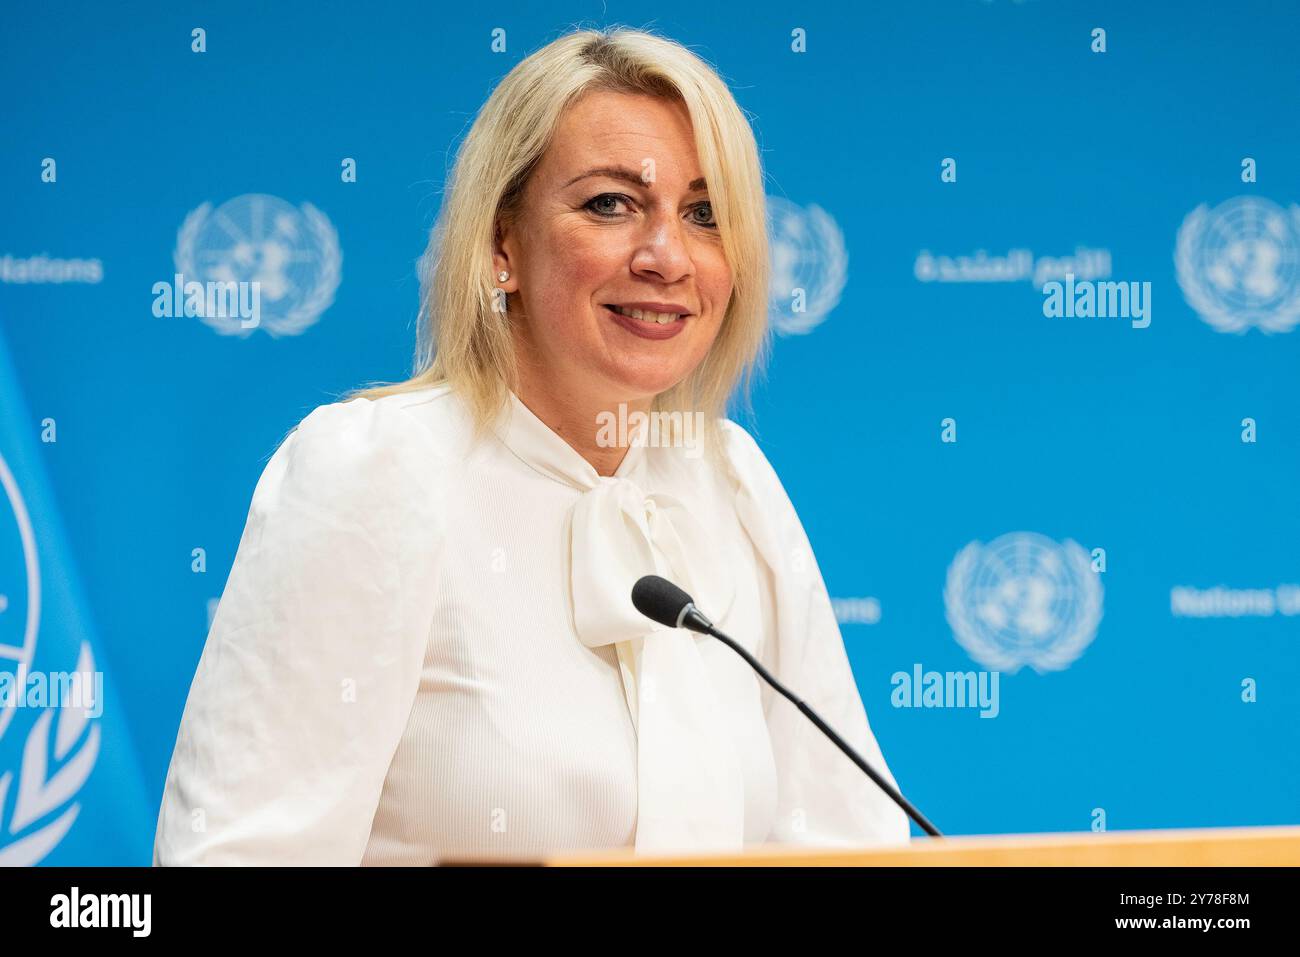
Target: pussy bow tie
690,785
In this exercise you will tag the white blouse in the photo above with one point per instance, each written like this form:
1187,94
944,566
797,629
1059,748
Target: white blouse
427,650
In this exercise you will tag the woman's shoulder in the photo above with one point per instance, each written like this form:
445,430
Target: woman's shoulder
369,448
386,429
745,460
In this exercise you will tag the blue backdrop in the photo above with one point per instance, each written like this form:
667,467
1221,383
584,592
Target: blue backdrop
1101,510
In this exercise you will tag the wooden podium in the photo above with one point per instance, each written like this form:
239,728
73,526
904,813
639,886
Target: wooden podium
1218,847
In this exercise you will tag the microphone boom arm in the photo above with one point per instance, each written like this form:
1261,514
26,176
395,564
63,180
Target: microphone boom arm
661,601
912,811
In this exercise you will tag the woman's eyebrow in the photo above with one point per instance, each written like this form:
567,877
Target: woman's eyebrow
628,176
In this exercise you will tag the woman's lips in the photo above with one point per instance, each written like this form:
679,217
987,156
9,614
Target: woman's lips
647,330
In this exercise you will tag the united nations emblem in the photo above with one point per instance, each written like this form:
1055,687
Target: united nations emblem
292,254
1023,600
26,833
809,266
1239,264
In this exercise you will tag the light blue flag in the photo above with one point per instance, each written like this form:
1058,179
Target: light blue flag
71,790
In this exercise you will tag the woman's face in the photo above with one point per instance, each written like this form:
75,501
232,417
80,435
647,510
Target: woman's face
615,227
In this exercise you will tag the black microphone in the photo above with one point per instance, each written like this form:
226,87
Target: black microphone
663,602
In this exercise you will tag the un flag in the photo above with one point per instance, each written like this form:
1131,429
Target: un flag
70,786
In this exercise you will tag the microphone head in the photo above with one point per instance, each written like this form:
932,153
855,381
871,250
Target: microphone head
659,600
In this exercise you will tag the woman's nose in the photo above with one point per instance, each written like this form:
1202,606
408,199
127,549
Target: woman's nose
662,251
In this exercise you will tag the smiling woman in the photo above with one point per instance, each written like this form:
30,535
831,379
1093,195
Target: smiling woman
426,648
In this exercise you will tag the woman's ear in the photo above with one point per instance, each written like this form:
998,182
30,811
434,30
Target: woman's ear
504,257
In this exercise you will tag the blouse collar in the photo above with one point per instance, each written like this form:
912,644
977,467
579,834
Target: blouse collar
543,450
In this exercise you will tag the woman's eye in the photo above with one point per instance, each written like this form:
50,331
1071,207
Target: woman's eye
707,218
606,204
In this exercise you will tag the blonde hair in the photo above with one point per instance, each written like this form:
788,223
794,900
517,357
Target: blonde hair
463,341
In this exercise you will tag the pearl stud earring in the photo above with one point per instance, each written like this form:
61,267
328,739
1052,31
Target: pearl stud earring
502,276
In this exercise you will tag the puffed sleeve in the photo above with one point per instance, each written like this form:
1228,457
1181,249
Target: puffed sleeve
313,660
823,797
